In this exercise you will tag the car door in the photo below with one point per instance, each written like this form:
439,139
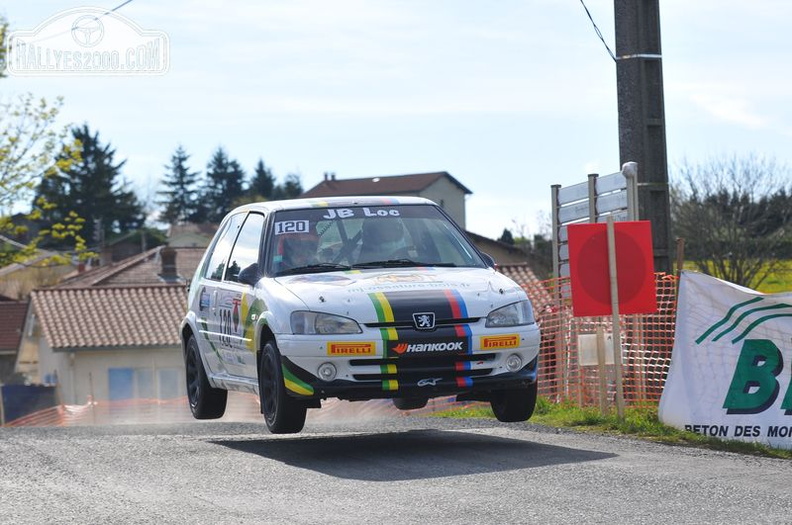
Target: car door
235,298
210,314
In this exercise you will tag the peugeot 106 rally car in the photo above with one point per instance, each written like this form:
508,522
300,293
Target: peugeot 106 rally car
354,298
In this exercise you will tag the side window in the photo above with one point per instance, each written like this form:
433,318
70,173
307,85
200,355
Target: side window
246,249
222,248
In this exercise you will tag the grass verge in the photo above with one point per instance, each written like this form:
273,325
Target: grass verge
639,423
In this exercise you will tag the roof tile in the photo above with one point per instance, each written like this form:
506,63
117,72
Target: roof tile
91,317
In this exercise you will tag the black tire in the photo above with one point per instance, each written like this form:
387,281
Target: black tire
205,401
511,406
409,403
283,414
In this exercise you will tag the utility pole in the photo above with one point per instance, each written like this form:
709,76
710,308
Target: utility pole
639,81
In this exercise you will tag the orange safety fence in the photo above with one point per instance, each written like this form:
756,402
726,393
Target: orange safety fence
241,408
646,343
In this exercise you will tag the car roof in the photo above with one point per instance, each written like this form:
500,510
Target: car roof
331,202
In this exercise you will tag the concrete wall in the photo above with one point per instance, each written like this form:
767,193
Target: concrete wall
450,197
87,372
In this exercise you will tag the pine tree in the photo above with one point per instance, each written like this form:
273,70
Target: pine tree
290,189
181,198
507,237
263,183
224,185
90,187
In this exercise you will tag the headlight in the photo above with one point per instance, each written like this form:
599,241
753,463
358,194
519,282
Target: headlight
515,314
303,323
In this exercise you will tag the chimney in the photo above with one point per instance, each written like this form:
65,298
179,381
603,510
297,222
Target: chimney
168,259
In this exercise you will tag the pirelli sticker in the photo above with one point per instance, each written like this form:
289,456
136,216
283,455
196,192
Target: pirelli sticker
500,342
365,348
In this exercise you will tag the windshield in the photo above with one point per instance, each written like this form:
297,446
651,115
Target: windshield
330,239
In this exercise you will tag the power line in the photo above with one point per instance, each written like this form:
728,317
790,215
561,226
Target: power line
116,8
597,30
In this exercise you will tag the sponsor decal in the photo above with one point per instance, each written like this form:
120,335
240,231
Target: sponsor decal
321,278
500,342
235,313
730,376
346,213
399,278
346,348
456,346
424,320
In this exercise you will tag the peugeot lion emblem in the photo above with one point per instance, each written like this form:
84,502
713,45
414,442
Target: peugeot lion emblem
424,320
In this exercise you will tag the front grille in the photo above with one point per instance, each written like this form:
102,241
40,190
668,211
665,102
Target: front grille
413,369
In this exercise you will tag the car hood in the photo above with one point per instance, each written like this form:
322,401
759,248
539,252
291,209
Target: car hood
475,290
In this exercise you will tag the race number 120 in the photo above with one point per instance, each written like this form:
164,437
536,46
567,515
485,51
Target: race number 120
291,227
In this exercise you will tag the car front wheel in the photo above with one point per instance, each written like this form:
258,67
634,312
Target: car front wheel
206,402
514,405
283,414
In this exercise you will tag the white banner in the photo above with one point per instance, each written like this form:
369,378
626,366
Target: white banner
731,366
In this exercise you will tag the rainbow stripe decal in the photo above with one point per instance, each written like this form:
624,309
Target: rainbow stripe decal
295,378
397,308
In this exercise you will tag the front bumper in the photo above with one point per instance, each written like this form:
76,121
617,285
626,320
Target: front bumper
462,375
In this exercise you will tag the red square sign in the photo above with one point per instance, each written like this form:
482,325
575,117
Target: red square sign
588,268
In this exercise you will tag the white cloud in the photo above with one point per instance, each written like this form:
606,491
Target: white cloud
729,109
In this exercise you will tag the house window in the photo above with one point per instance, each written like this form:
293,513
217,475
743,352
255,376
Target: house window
138,383
170,383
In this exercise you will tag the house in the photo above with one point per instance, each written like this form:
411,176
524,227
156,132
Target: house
439,187
163,264
112,333
191,234
106,343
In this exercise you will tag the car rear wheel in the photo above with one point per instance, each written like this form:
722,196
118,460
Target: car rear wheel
409,403
514,405
206,402
283,414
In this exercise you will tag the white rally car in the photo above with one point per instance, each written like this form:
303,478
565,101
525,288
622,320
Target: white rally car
354,298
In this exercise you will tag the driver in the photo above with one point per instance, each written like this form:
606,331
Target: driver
382,239
297,249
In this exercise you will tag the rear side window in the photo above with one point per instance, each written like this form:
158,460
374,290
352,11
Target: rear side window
246,248
222,249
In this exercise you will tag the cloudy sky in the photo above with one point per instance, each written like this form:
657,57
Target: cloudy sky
509,97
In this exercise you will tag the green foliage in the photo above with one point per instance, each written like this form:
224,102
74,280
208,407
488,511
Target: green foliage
290,189
638,422
3,36
780,280
735,215
506,237
180,199
263,184
29,153
90,188
224,185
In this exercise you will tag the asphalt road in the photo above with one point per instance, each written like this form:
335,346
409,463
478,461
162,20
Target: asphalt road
394,470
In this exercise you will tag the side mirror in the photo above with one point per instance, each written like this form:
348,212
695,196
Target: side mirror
249,275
